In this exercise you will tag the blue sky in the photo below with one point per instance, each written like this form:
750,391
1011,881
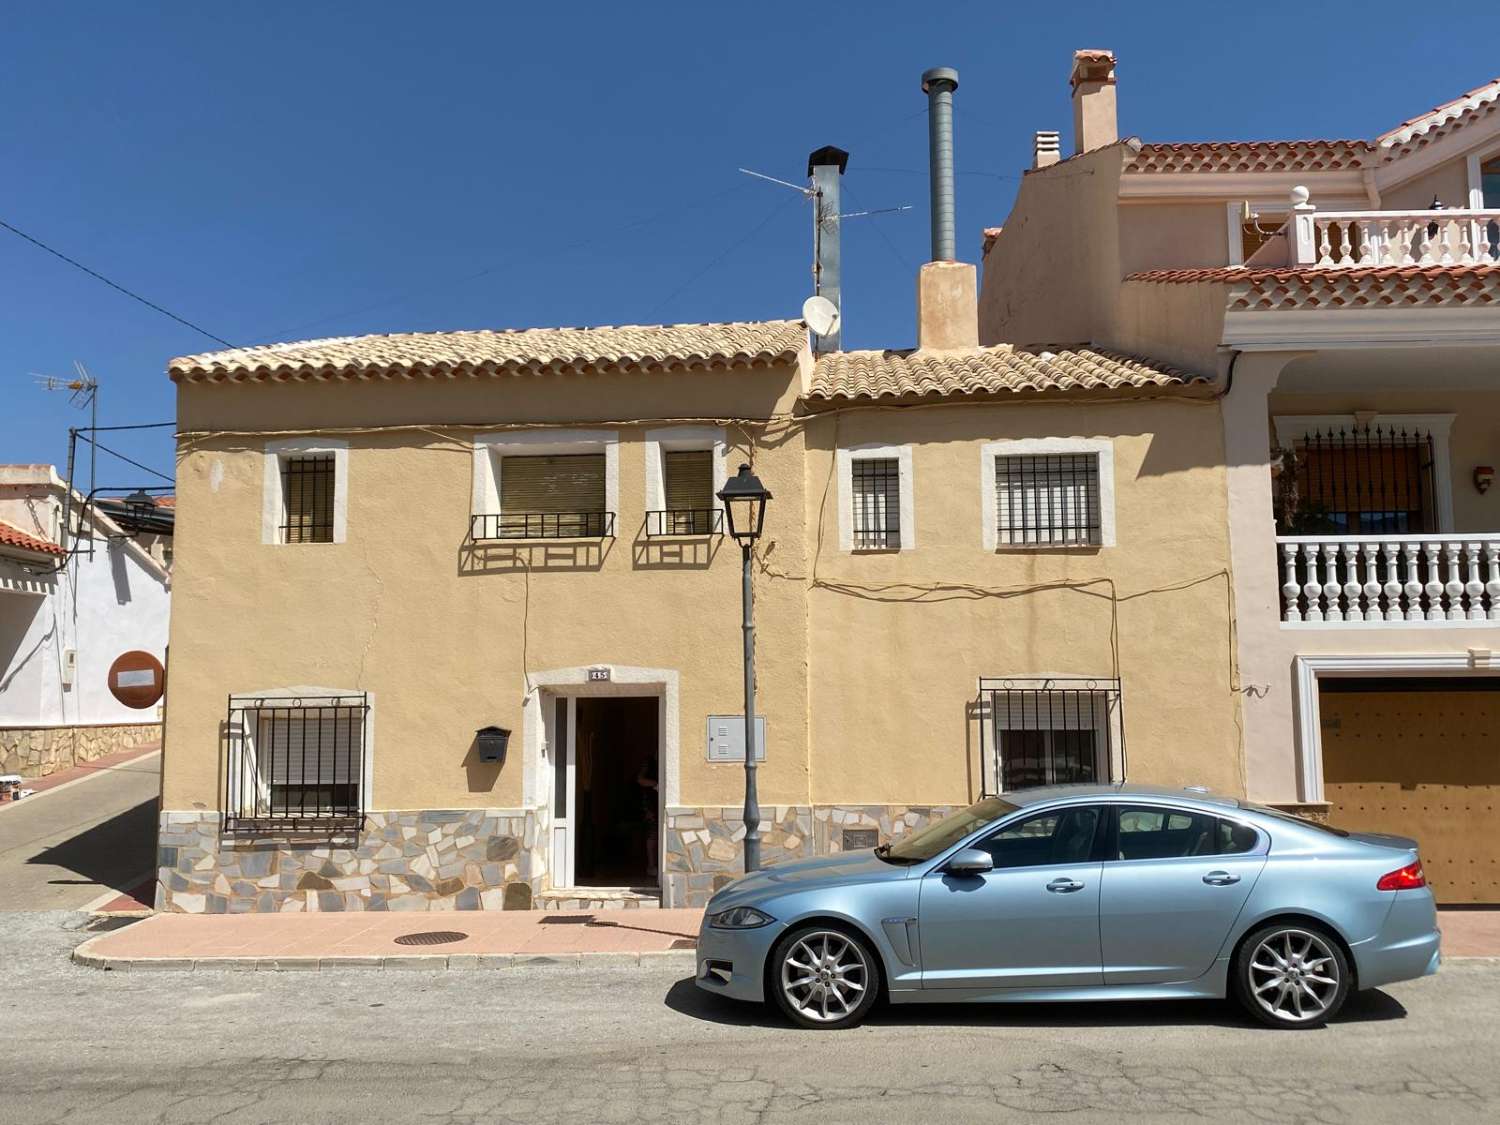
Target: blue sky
286,171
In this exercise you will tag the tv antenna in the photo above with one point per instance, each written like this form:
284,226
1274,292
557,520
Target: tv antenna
83,390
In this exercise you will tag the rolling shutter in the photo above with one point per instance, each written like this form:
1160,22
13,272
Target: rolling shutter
689,480
553,483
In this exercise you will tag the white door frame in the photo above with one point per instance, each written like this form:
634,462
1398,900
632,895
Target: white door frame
539,765
1308,670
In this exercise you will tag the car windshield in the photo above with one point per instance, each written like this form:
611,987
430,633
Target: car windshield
943,834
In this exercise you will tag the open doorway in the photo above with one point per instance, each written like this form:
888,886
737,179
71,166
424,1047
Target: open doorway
616,783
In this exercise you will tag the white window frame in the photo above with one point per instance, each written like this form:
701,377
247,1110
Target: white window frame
1473,164
273,492
284,697
682,439
1292,428
1102,448
875,451
490,451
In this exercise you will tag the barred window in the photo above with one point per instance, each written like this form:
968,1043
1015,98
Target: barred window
295,760
1051,731
307,482
1047,500
877,503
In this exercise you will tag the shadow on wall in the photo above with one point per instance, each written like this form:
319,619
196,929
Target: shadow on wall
120,572
481,775
512,558
687,552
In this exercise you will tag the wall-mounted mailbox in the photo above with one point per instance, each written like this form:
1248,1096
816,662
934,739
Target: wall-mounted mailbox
492,743
726,738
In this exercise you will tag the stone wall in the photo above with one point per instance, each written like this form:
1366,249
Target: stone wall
462,859
704,847
39,751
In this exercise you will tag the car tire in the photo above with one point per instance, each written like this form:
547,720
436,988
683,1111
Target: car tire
823,977
1292,975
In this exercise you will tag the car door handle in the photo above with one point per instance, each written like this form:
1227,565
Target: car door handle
1064,886
1220,879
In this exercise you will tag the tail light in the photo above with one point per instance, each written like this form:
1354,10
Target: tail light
1407,878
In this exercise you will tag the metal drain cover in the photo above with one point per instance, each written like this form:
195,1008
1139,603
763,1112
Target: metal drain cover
430,937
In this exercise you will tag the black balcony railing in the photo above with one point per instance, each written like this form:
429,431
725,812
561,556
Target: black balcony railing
542,525
294,764
685,521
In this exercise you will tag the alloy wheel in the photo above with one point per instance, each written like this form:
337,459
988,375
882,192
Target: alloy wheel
1294,976
824,976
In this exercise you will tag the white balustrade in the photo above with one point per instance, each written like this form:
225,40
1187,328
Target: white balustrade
1373,579
1344,239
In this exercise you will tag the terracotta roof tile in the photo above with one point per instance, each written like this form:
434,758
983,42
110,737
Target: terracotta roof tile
1003,368
1356,287
1441,120
446,354
13,536
1253,156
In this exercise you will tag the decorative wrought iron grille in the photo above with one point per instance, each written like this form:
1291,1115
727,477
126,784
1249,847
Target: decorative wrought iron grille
294,763
1359,480
1055,730
307,496
877,503
1047,500
542,525
685,521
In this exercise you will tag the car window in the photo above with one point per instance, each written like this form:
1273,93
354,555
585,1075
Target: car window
1236,839
1157,833
1057,836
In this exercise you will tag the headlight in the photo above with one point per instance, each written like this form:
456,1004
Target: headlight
739,918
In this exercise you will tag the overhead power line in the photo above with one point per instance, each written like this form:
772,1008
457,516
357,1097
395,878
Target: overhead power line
37,242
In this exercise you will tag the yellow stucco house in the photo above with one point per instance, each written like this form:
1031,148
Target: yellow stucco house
983,568
1345,294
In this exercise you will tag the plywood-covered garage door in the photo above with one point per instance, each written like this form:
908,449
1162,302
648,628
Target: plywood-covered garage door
1420,759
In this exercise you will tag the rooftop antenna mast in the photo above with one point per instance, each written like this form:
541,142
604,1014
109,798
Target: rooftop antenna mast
83,390
823,311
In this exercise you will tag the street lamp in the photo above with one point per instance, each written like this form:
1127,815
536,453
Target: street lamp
139,503
744,499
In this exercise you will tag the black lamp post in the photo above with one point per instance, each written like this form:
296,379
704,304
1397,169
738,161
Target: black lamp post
744,499
139,504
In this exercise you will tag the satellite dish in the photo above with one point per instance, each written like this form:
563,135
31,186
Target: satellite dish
821,315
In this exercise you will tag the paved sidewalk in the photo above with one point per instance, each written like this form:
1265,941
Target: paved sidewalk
1470,931
312,941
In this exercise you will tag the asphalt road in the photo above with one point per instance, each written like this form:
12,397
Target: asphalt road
60,850
545,1044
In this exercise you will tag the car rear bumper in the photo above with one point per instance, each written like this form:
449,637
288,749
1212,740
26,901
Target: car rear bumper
731,962
1408,946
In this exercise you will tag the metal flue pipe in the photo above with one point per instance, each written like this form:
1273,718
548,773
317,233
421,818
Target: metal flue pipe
938,84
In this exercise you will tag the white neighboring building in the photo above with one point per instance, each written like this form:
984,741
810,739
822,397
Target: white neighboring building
64,619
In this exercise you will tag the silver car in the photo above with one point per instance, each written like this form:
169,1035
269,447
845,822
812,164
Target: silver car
1081,893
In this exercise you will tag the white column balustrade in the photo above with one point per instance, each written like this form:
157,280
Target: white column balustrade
1376,579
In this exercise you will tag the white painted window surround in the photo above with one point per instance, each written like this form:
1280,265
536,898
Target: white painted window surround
1292,428
1102,448
681,439
490,451
1474,163
273,499
845,458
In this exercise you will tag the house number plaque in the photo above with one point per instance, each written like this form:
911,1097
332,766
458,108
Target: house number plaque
598,675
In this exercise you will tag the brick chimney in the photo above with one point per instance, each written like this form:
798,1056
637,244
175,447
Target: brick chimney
1095,122
1046,149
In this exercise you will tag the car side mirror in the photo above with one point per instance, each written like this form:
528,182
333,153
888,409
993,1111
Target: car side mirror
970,861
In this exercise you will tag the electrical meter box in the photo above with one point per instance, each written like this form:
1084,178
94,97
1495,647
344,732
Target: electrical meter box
726,738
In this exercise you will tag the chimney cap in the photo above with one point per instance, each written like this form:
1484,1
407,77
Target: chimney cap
1093,65
939,74
828,154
